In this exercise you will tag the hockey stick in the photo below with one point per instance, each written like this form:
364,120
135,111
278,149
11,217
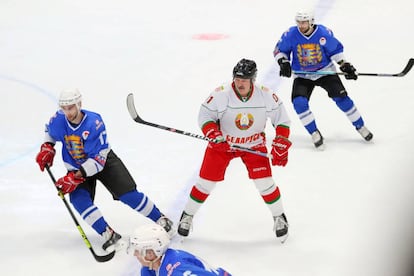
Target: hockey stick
98,258
401,74
134,114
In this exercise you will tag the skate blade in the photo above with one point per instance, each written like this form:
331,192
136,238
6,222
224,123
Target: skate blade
321,147
282,239
120,245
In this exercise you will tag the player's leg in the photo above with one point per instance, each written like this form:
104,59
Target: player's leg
117,179
301,93
82,200
336,90
260,172
212,170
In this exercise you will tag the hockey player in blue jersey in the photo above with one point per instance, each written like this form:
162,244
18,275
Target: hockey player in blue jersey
150,245
311,47
88,157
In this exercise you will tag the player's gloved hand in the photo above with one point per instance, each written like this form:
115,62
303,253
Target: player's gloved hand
285,69
45,156
69,182
221,144
349,71
280,147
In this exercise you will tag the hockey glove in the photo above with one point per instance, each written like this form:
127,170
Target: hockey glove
285,69
45,156
349,71
280,147
211,131
69,182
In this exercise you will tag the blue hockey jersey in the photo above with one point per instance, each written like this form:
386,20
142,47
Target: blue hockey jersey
309,53
181,263
83,145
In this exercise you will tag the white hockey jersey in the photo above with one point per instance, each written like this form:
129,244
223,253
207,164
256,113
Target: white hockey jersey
243,120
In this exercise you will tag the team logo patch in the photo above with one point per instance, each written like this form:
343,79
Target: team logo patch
75,147
85,135
322,41
244,121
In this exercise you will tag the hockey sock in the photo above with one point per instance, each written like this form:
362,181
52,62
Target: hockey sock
301,106
350,110
82,202
141,203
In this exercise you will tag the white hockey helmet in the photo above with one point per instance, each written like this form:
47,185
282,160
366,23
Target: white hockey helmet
151,236
70,97
305,16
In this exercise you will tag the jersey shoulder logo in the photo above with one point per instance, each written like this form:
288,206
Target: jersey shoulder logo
264,88
220,88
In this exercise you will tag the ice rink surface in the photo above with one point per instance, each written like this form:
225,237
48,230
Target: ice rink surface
350,207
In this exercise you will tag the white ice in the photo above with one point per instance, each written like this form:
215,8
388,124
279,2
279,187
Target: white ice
350,207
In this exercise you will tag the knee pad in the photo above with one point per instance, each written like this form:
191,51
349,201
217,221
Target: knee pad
205,186
81,200
301,104
344,103
132,198
265,185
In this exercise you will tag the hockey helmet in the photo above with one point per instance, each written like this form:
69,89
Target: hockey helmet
70,97
305,16
245,69
151,236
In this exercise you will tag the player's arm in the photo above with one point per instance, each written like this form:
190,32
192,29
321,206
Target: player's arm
208,119
47,151
282,53
280,120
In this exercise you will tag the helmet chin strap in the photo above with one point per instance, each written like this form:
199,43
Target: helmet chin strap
151,263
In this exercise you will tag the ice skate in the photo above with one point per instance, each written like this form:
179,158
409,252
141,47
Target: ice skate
365,133
184,225
281,227
113,241
167,224
317,140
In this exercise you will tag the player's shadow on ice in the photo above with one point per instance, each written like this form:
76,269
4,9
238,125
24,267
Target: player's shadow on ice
335,140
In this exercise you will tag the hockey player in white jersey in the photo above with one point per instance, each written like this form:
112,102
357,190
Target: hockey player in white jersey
236,114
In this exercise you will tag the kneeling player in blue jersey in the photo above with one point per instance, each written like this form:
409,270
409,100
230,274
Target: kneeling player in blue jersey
150,245
88,157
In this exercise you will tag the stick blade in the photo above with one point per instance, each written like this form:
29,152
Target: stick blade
407,67
104,258
131,107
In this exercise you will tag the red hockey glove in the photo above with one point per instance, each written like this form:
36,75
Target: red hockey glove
45,156
211,131
69,182
280,147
